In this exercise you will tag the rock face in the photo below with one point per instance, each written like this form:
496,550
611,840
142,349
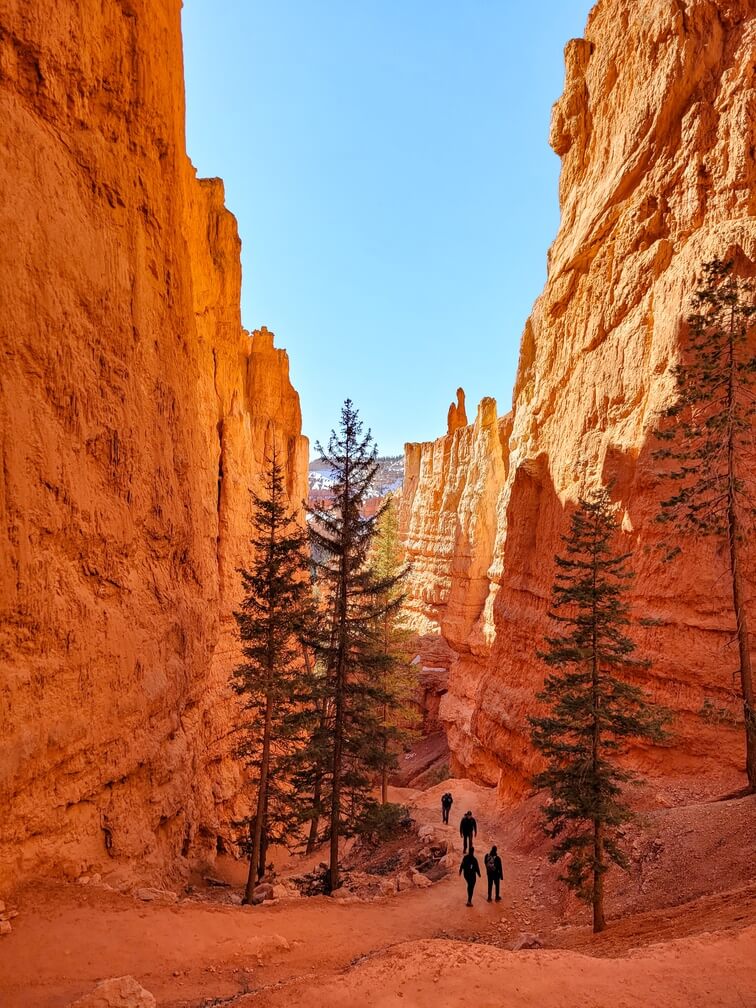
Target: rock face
656,134
134,416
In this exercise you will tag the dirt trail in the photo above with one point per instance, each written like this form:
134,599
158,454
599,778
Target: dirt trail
67,937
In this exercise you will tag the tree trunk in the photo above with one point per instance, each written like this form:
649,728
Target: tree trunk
342,609
333,867
599,921
738,592
263,844
384,771
338,723
312,839
744,651
256,831
598,838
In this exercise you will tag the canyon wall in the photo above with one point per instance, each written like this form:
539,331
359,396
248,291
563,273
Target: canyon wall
134,417
656,130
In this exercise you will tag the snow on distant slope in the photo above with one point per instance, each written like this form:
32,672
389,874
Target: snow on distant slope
387,480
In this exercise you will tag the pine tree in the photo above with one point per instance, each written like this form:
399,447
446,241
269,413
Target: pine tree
346,746
275,622
711,441
399,714
591,712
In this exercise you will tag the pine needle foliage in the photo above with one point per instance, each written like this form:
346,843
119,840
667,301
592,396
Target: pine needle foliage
399,715
591,711
346,748
275,623
708,438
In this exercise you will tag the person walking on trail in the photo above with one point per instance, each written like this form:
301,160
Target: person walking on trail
471,871
446,804
494,872
468,828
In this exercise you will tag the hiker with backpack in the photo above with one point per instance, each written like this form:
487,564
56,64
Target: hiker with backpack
471,870
446,804
494,872
468,828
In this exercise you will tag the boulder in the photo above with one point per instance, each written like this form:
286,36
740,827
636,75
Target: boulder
527,941
118,992
267,947
437,872
404,881
150,894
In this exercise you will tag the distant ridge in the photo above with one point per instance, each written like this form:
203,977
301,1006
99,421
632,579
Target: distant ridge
387,480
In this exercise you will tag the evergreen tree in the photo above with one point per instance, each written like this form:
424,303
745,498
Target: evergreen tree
275,621
399,714
346,746
711,442
591,712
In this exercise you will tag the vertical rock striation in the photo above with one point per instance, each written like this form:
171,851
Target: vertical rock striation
134,416
656,131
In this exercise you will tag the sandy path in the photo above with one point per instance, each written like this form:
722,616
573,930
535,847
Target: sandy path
66,938
710,973
88,934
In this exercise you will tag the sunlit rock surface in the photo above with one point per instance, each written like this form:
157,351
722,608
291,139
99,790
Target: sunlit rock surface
655,130
134,416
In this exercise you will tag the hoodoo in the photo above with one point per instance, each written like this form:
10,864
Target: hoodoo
654,130
134,417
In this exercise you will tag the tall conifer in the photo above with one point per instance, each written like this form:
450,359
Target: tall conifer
591,711
347,740
710,441
275,622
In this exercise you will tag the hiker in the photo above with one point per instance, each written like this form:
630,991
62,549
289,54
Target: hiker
471,870
468,828
446,804
494,872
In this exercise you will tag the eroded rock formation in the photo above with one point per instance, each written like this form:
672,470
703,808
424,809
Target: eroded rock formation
656,134
457,416
135,413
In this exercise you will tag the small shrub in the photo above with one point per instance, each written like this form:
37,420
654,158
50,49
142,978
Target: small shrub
717,715
436,775
380,822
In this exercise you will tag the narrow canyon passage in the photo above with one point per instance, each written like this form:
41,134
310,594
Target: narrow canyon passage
142,398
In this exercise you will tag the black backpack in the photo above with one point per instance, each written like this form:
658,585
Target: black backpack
490,862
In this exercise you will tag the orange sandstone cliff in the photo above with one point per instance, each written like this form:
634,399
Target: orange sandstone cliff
134,416
656,130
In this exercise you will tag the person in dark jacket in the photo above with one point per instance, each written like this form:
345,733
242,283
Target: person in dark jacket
471,870
468,828
494,872
446,804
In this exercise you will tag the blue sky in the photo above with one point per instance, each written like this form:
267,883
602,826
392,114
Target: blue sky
389,167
